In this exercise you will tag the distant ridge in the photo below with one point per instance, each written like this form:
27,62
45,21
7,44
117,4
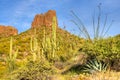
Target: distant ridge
6,31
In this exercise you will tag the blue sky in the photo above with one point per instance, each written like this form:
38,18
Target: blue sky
20,13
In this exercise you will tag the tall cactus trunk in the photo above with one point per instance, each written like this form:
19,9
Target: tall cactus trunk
49,43
11,43
35,50
54,25
11,58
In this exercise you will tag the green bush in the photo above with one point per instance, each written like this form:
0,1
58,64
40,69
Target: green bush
39,70
103,49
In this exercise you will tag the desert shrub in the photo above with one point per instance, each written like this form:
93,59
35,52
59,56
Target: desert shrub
39,70
103,49
2,69
107,50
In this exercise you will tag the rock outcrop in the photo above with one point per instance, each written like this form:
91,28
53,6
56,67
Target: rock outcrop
6,31
44,19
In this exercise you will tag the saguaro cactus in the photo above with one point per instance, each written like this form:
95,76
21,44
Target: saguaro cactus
49,45
54,25
11,58
34,48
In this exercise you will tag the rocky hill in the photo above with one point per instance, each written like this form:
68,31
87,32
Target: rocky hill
6,31
44,19
42,23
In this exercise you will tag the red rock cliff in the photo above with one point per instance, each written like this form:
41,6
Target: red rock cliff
6,31
44,19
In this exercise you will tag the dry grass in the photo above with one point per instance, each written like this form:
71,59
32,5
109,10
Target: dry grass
109,75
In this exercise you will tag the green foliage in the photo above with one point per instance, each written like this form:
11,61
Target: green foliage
39,70
104,49
66,43
51,43
95,65
11,58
